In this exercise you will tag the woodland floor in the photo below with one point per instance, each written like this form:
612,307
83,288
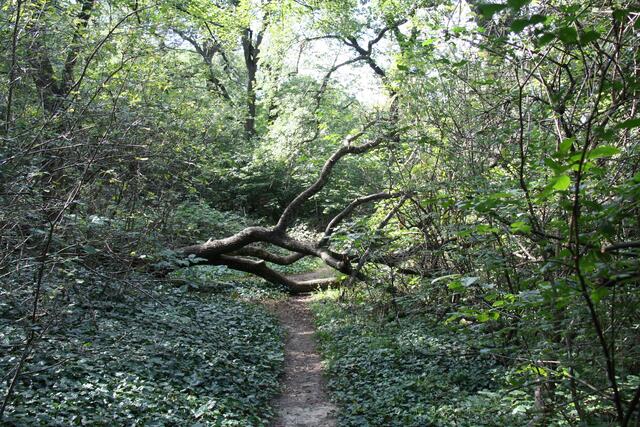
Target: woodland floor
304,400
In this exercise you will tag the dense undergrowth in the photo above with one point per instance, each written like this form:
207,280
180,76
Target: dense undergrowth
405,372
185,355
491,194
419,370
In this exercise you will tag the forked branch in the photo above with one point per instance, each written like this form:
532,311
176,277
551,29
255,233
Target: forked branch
242,250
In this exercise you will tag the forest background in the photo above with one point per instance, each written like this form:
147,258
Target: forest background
485,190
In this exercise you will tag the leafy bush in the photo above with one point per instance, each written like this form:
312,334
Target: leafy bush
195,220
408,372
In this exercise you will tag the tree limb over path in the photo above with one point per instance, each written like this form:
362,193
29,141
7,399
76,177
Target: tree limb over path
240,251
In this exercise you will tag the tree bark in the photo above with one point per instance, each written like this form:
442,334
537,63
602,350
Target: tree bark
251,50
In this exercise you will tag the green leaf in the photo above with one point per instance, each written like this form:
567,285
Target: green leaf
629,124
519,24
588,37
566,145
567,35
487,10
537,19
602,151
620,14
556,167
599,293
561,183
520,227
485,229
429,42
517,4
90,250
575,158
483,317
455,286
546,38
588,263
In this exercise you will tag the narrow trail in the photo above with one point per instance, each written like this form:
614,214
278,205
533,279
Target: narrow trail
304,401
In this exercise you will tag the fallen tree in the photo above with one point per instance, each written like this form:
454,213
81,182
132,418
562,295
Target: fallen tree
242,252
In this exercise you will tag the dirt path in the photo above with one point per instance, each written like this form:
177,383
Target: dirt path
304,401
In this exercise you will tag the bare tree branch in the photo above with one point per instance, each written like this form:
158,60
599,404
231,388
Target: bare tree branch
347,148
348,210
231,251
265,255
260,269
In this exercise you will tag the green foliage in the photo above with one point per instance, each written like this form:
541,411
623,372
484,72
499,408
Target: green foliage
518,187
409,371
173,357
219,280
487,10
197,221
124,137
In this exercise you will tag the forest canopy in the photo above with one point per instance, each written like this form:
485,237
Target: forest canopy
468,163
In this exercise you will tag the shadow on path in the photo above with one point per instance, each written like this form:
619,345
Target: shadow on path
304,401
